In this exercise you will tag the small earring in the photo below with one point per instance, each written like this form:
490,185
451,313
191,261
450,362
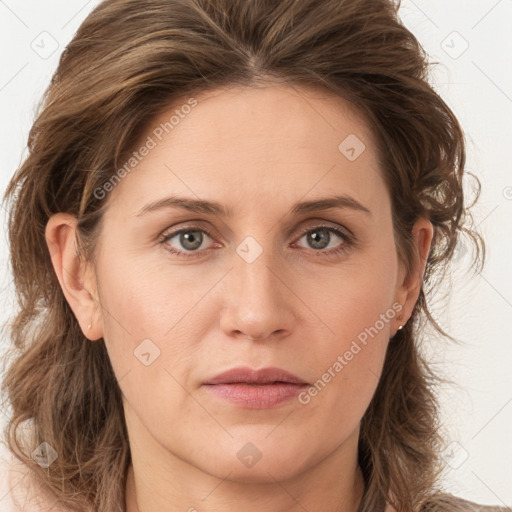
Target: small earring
399,317
89,326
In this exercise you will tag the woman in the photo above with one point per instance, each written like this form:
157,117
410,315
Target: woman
222,241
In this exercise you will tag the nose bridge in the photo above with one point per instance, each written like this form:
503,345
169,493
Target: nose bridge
257,302
255,275
257,279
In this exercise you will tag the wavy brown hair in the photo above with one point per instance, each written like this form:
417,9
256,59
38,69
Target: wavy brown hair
130,60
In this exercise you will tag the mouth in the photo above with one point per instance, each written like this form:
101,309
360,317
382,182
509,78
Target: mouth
255,389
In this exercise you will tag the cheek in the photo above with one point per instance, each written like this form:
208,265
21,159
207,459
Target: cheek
143,300
152,326
147,344
348,358
355,303
348,372
133,323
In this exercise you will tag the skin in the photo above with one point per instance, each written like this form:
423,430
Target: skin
258,151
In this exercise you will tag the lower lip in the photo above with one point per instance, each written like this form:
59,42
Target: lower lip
252,396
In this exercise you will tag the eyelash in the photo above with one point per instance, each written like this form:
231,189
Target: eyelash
348,241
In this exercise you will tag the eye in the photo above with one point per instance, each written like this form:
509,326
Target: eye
188,240
320,238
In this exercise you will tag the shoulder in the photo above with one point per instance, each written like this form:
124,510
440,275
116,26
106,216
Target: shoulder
444,502
18,492
10,479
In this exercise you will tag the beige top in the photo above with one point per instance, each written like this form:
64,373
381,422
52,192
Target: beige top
17,491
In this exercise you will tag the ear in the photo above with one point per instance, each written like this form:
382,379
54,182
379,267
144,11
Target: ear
76,277
409,286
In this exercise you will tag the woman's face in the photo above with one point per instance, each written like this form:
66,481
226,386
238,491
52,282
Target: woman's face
311,290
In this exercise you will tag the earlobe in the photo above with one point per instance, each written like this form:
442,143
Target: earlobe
73,273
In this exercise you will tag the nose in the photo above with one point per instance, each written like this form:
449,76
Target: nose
258,301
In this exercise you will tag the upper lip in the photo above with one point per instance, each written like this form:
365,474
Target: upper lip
261,376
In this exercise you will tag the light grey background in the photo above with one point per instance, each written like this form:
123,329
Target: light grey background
472,43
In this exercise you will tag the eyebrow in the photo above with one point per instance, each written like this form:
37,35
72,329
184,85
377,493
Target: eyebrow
215,208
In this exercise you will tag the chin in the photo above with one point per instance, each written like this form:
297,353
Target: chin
260,460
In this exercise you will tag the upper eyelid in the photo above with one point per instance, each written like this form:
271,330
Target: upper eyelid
209,231
171,233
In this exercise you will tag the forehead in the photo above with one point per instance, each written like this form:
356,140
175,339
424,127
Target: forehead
272,117
276,142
